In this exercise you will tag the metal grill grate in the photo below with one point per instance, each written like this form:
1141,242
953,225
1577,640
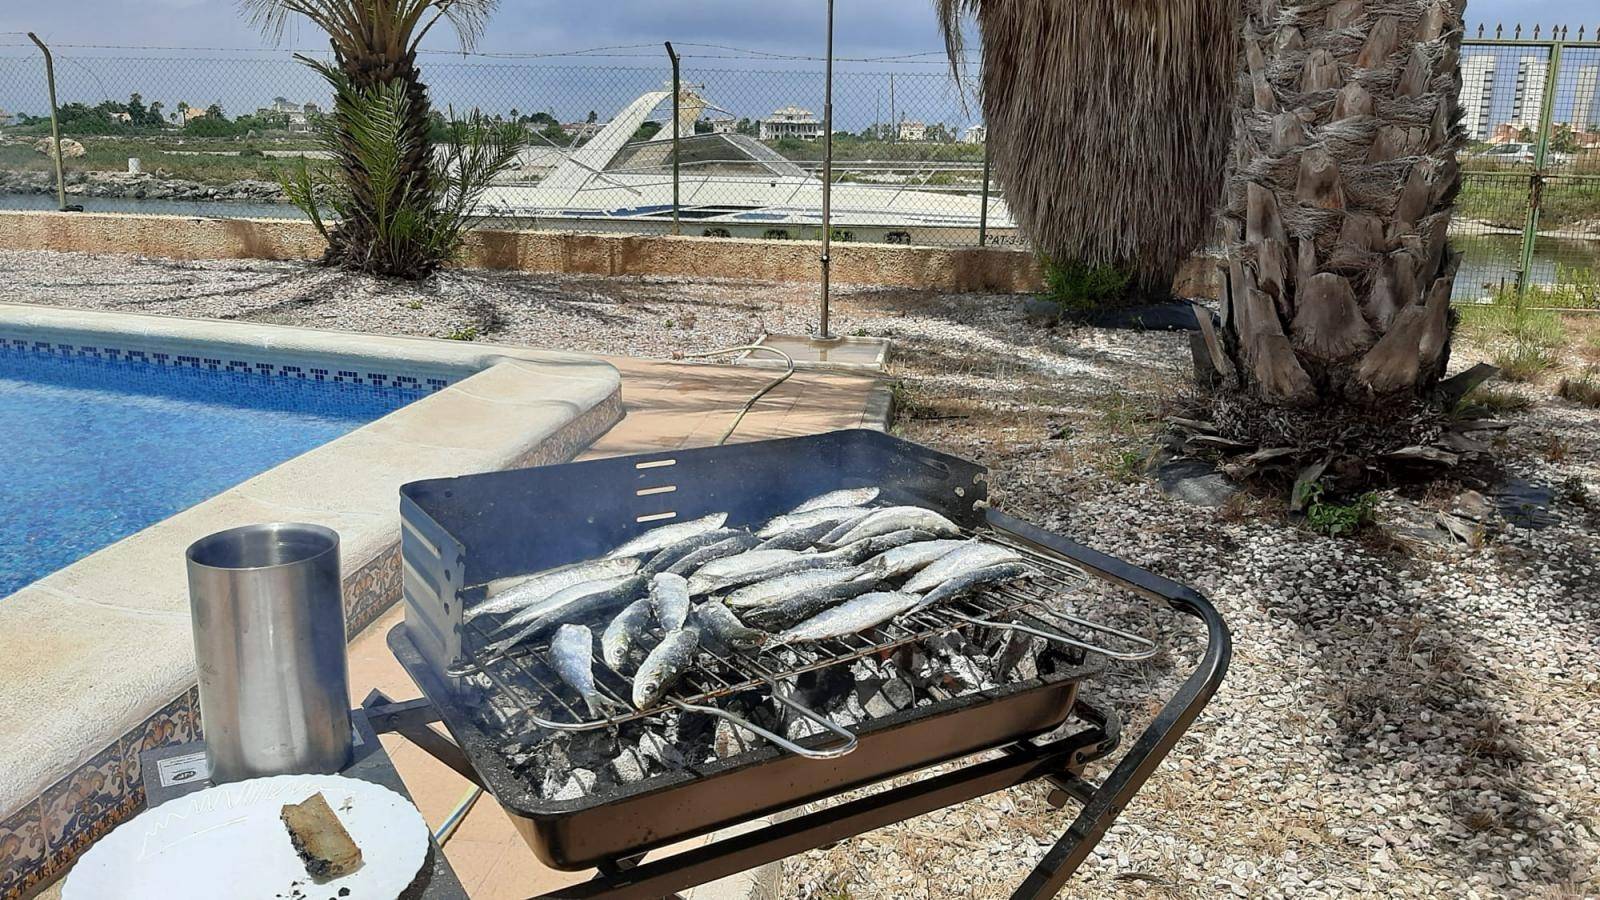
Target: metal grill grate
526,693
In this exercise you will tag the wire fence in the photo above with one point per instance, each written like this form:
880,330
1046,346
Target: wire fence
212,130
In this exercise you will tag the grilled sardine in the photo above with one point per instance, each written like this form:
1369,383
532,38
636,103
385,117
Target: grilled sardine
865,611
659,538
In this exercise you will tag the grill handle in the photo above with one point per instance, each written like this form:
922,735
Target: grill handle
1147,647
832,752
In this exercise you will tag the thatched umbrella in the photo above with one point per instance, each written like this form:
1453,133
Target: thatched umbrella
1108,122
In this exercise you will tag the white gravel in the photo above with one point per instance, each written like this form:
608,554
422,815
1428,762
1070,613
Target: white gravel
1391,725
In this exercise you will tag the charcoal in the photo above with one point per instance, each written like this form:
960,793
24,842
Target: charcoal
729,741
579,783
898,692
963,674
691,732
1017,647
592,749
659,749
630,766
851,711
879,706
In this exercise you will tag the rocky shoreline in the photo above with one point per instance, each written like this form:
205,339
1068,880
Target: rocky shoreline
120,185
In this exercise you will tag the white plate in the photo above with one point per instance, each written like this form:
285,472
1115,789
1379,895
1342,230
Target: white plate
227,841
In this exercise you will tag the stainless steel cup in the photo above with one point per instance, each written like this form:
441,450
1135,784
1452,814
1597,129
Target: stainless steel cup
269,641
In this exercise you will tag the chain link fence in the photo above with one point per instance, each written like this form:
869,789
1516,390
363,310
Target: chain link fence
212,130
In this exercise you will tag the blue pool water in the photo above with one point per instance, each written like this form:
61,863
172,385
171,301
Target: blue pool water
92,450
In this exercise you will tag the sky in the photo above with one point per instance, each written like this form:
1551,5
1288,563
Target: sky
634,28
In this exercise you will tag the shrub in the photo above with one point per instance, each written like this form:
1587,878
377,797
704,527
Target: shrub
1584,389
1488,401
1076,285
1523,342
1519,361
252,153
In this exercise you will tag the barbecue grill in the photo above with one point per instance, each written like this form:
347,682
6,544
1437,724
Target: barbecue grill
460,534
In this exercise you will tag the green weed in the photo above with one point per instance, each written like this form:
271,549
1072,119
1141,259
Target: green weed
1076,285
1584,389
1334,519
1521,361
462,333
1485,401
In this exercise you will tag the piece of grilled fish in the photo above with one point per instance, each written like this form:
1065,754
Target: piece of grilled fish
845,497
970,580
732,546
667,556
577,603
781,614
910,557
892,518
664,536
838,515
773,590
713,575
865,611
669,597
718,625
520,592
622,643
665,665
970,556
572,656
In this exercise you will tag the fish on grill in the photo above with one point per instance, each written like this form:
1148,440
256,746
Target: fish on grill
507,594
842,557
908,558
732,546
623,640
572,656
838,515
660,538
773,590
797,539
970,556
792,610
714,575
664,558
968,580
892,518
844,497
666,664
718,624
865,611
577,603
669,597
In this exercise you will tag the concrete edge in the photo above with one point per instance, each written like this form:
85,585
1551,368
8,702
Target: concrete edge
880,410
521,407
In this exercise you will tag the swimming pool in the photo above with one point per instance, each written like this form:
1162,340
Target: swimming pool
99,444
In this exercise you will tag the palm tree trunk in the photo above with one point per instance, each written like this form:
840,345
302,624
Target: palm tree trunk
1339,269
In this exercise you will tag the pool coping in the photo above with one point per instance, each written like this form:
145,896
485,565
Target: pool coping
69,765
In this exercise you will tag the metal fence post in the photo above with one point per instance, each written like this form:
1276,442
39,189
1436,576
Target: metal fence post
55,126
827,179
1530,228
983,208
673,55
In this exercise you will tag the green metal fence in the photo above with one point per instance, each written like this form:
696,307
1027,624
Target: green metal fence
1528,216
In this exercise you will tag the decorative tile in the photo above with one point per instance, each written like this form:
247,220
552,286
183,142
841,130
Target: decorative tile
172,724
81,807
399,383
22,851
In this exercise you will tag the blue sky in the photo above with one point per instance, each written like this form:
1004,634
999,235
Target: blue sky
865,27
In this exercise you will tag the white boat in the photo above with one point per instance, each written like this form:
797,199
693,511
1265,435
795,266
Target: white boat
731,185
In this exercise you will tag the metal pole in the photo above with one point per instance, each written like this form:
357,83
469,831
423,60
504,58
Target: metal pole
827,177
55,127
1530,229
673,55
983,211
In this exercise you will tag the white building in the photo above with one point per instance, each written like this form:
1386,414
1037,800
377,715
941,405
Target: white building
791,122
1586,99
1477,92
912,130
975,134
1532,72
726,125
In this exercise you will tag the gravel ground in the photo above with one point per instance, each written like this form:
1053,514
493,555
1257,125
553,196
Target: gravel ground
1393,723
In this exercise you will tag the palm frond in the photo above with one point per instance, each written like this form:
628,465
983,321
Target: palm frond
1108,121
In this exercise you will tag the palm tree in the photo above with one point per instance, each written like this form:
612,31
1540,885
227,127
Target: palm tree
374,50
1336,321
1107,122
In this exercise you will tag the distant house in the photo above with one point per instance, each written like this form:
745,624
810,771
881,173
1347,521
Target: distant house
722,126
912,130
975,134
5,118
1506,133
122,117
297,114
581,130
791,122
190,113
